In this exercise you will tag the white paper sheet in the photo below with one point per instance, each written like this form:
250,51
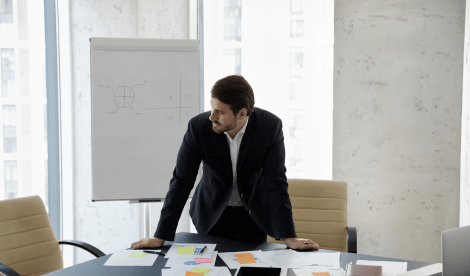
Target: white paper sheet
121,258
215,271
173,262
323,260
285,258
231,260
308,271
207,253
388,268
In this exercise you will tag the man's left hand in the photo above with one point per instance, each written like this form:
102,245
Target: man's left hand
302,244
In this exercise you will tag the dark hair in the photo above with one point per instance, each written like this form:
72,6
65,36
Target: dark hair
236,92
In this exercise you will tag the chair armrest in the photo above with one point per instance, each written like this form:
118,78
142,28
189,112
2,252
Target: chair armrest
5,270
83,245
352,239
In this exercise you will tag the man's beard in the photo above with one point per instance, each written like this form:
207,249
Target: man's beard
225,129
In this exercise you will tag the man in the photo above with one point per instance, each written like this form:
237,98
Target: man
243,191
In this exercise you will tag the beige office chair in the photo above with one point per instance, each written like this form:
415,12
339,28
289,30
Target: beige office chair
319,209
28,245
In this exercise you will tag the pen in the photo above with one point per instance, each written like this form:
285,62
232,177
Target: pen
202,250
152,252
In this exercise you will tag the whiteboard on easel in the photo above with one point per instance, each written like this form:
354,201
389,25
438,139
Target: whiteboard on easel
143,94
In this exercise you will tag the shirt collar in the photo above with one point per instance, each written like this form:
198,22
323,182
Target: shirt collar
242,130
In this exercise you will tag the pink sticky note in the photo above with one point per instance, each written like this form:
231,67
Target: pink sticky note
203,260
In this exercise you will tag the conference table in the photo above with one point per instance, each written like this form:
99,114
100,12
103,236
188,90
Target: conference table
96,267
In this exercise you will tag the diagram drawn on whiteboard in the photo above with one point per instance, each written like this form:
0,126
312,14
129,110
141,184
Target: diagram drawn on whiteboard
180,107
123,96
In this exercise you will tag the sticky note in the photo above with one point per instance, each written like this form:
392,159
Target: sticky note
321,274
244,255
138,255
203,260
185,250
246,261
189,273
203,270
245,258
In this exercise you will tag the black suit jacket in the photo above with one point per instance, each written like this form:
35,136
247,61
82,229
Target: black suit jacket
262,182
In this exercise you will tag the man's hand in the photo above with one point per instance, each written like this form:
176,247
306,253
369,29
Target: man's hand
148,243
302,244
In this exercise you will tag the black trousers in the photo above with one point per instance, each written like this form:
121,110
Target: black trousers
236,224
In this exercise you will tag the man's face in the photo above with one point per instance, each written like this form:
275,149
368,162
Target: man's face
222,117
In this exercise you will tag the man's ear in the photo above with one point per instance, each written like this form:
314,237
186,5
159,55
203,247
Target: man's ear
243,112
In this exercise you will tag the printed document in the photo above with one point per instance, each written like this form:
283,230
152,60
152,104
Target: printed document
388,268
132,258
173,262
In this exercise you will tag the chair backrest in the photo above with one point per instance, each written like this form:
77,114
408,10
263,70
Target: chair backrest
319,208
27,241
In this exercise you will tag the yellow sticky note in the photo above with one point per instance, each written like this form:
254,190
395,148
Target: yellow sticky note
189,273
321,274
185,250
138,255
203,270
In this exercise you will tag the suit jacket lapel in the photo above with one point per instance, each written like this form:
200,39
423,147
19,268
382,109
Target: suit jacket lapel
247,140
222,145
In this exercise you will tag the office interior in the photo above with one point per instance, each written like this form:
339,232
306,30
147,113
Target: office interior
373,93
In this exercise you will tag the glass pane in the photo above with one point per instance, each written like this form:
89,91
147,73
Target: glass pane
23,99
296,28
288,60
232,62
6,11
8,73
296,7
232,20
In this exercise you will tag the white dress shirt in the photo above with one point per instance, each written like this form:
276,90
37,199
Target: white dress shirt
234,145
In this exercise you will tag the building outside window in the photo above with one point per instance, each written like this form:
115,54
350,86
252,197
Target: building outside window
23,99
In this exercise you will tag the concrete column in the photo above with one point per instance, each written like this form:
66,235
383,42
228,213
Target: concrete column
397,121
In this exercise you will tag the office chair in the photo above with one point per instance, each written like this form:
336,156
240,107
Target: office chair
319,208
28,245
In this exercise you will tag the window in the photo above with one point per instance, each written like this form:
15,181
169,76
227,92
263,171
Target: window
11,179
8,73
9,129
232,20
297,28
285,53
23,99
6,11
232,62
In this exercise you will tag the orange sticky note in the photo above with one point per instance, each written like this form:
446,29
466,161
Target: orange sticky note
189,273
245,258
244,255
246,261
321,274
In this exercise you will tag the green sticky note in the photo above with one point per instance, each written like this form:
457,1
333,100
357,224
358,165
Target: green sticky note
138,255
185,250
203,270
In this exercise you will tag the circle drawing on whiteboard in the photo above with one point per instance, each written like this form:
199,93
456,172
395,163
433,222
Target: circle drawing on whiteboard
124,96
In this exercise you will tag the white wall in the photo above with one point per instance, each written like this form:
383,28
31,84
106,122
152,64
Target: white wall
397,120
110,226
465,163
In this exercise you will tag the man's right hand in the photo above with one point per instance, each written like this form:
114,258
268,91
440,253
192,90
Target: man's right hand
148,243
